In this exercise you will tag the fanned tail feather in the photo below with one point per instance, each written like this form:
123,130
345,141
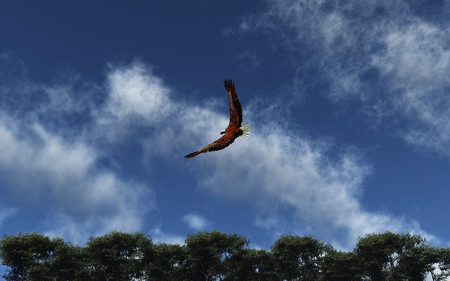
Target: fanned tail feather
245,131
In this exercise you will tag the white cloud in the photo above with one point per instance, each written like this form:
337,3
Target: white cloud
137,99
45,169
418,61
195,221
277,171
382,53
57,168
283,173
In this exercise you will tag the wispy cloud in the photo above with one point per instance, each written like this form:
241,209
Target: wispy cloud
57,167
45,169
382,53
314,183
417,60
285,175
279,172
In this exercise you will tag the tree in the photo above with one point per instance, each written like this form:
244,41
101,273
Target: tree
264,265
390,256
438,263
298,258
208,254
28,255
68,262
118,256
340,266
167,263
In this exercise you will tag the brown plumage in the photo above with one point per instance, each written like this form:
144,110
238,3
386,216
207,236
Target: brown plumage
234,128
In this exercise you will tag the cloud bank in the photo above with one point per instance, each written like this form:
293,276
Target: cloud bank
294,183
301,184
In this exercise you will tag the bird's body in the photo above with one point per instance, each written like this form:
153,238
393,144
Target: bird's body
234,128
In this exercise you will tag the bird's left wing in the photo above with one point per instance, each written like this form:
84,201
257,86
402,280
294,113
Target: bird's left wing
219,144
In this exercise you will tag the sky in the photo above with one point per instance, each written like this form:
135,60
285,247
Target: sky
348,103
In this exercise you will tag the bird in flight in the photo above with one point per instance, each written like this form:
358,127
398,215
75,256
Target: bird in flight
234,128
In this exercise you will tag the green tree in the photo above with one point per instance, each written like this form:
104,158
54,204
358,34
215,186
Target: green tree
208,254
118,256
167,263
438,263
340,266
298,258
389,256
264,265
239,265
69,262
28,255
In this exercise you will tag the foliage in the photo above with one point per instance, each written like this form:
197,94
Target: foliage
209,254
28,256
340,266
168,263
438,261
219,256
118,256
298,258
389,256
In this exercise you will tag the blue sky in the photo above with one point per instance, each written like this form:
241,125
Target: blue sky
348,102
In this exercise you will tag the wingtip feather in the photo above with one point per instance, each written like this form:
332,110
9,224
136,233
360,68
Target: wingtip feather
192,154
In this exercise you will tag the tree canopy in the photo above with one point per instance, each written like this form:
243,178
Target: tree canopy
220,256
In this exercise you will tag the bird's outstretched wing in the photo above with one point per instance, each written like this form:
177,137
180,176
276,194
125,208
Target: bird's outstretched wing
234,127
235,105
219,144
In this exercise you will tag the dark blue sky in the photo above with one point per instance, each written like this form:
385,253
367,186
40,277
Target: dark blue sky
348,103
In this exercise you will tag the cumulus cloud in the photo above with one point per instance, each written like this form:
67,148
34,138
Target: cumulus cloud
383,53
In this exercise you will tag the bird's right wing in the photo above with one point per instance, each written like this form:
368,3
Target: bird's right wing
235,105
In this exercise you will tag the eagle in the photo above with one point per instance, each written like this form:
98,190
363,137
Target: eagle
234,129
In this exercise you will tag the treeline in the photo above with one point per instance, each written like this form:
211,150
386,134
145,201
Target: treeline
219,256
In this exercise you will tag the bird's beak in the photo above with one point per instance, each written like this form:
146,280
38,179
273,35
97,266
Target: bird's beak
223,132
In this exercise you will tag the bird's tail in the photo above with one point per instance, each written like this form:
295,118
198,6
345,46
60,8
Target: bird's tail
245,131
192,154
